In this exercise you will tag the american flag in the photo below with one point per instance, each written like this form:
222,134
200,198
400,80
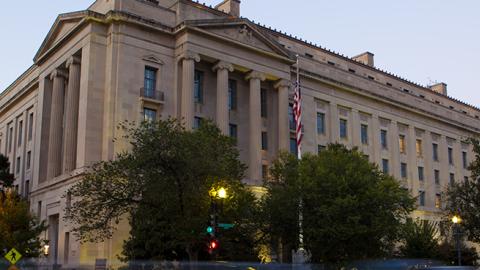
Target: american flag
297,114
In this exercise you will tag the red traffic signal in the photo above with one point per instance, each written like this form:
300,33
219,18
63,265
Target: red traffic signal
213,244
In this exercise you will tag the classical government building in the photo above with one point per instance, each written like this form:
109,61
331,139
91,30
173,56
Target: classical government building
137,59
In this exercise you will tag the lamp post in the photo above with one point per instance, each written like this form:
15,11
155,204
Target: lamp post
215,194
456,231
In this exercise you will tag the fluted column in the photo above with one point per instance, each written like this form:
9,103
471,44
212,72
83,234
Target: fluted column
283,128
255,127
188,77
56,120
222,115
71,115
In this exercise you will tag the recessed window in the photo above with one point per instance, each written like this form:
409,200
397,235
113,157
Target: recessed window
435,152
419,148
29,159
464,160
436,176
385,166
263,102
320,123
383,139
343,129
421,198
149,115
291,117
452,178
149,82
197,122
232,94
20,133
403,170
450,156
264,141
438,200
364,133
321,148
421,175
233,131
10,139
198,86
17,165
402,144
264,172
30,126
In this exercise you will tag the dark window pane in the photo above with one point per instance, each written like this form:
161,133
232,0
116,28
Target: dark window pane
435,151
198,87
320,123
149,114
383,139
293,146
150,82
421,175
263,102
364,134
403,170
232,94
264,141
385,168
343,128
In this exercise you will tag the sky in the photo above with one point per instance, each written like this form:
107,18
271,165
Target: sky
423,41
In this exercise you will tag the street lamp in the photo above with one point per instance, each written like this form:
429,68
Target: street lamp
456,223
222,193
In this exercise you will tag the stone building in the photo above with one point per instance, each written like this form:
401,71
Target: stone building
146,59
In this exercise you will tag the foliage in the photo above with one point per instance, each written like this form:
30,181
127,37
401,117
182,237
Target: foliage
19,228
6,178
448,254
351,210
419,239
163,183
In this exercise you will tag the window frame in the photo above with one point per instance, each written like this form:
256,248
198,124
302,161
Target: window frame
343,126
198,86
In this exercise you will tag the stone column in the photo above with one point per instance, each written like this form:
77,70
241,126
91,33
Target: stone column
56,120
188,77
283,128
255,127
71,115
222,114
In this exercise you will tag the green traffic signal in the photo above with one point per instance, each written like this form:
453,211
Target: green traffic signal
210,229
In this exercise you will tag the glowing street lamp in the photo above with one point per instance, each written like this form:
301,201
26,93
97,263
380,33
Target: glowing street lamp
222,193
46,249
456,220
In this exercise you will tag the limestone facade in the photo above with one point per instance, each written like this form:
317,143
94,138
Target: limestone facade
136,59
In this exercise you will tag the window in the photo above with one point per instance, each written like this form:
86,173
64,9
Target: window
264,172
198,87
17,166
197,122
421,175
320,123
401,144
150,82
418,147
27,188
232,94
436,175
421,198
450,156
30,126
264,141
263,102
403,170
364,134
385,168
29,158
293,146
149,115
435,151
383,139
321,148
233,131
464,160
452,178
10,139
438,201
343,128
39,210
20,132
291,117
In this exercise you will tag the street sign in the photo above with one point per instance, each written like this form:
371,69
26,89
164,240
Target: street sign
13,256
226,226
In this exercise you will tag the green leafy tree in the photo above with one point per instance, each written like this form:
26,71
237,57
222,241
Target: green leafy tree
448,253
19,228
351,210
163,184
419,239
6,178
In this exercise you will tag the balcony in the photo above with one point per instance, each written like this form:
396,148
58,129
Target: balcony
151,96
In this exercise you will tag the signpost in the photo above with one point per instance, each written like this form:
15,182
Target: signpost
13,256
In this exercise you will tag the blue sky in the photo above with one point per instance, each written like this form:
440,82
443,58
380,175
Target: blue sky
424,41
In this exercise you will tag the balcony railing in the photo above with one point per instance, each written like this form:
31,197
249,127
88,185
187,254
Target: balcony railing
151,94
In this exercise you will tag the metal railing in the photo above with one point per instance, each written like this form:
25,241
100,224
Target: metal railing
152,94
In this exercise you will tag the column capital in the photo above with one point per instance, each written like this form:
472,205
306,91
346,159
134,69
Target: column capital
189,55
223,65
255,75
58,73
281,83
73,60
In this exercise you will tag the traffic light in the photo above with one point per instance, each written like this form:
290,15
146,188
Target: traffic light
213,244
210,230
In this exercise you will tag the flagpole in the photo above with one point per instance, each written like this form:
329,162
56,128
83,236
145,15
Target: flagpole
298,130
299,145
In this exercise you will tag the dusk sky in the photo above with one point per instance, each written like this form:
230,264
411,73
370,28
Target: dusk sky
423,41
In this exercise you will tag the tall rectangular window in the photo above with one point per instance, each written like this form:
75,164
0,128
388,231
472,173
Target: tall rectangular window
452,178
232,94
27,189
264,172
264,141
198,86
343,129
436,176
20,132
233,131
293,146
401,144
385,168
438,200
149,115
10,139
419,148
30,126
383,139
291,117
421,175
29,159
197,122
320,123
150,82
464,160
263,102
364,134
435,152
450,156
421,198
403,170
17,166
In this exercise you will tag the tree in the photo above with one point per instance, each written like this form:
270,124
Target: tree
350,210
463,198
20,228
163,184
419,239
6,178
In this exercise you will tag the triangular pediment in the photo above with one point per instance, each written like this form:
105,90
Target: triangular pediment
153,59
63,25
241,31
